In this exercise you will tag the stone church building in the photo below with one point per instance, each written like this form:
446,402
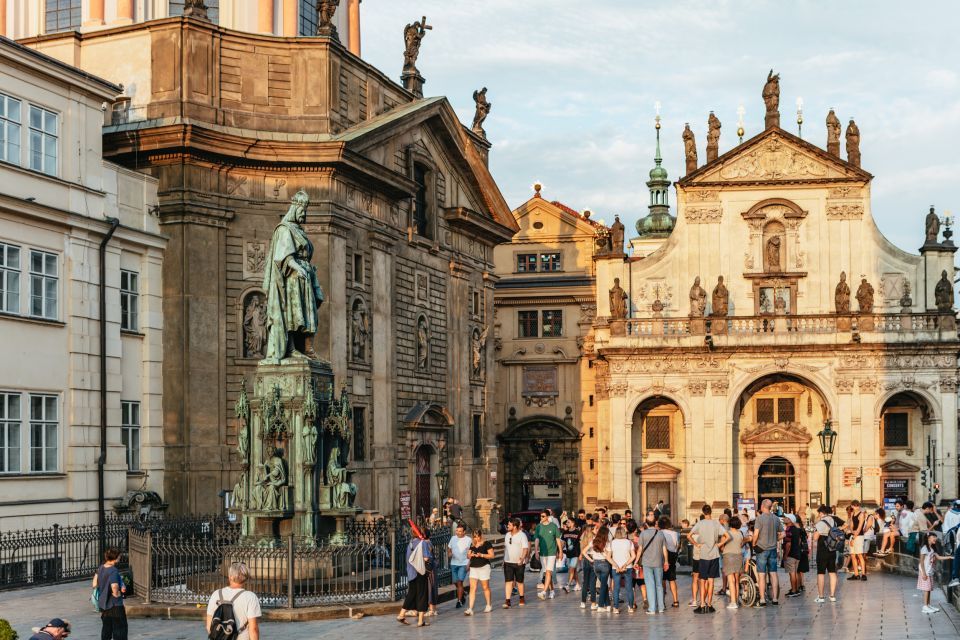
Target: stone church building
403,215
770,306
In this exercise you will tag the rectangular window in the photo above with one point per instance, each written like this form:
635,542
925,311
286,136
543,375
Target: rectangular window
359,434
9,432
527,323
9,278
62,15
657,432
764,408
130,433
477,304
9,129
358,268
43,284
43,140
552,323
308,18
421,220
550,261
44,425
896,430
526,262
477,435
786,410
129,300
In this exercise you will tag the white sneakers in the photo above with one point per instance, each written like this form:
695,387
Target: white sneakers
734,605
929,609
468,612
954,583
551,594
819,600
487,609
542,595
583,605
593,606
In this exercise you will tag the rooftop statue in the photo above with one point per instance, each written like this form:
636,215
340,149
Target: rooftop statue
412,36
293,291
932,227
771,98
833,133
690,149
325,11
943,293
483,107
713,137
853,143
698,299
841,295
865,296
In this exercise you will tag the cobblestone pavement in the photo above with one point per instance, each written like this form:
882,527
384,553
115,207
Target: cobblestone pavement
886,606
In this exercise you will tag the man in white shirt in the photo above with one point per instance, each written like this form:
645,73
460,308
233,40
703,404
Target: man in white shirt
516,551
951,523
246,605
457,552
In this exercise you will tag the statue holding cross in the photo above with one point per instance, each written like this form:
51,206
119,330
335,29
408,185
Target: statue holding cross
412,35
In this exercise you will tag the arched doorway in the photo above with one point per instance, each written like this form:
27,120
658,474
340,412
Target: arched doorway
425,462
656,438
540,459
907,440
777,481
776,418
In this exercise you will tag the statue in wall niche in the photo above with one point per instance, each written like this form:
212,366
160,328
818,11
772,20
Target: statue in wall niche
271,488
483,107
412,37
721,298
853,143
698,299
779,304
713,137
255,326
690,149
309,441
772,254
618,301
325,12
943,293
360,332
932,227
905,300
841,295
423,343
344,491
771,98
833,133
292,288
865,296
478,345
239,490
616,235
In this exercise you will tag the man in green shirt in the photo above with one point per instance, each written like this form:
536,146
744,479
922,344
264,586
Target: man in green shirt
546,537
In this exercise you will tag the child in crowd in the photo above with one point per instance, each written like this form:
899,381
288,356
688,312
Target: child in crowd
928,556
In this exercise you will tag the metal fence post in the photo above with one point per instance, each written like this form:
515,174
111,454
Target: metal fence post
290,560
393,563
57,562
147,565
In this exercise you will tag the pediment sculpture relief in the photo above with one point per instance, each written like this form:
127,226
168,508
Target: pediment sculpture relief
776,433
775,160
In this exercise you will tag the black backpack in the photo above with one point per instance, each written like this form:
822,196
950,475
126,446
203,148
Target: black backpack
224,624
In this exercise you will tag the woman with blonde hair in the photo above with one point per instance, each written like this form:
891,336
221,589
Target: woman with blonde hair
587,579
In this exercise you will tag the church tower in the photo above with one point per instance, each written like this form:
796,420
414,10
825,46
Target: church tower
656,226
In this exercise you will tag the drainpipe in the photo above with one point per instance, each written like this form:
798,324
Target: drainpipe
102,460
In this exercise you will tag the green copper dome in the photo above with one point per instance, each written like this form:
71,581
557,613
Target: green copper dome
658,223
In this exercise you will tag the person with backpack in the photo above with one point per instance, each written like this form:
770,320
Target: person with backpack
233,613
110,591
419,560
829,538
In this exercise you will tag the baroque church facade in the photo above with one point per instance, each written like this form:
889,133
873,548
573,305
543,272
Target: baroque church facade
403,216
770,307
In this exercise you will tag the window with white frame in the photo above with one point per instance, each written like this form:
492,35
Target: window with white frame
44,433
10,432
9,129
44,272
43,140
130,433
129,300
9,278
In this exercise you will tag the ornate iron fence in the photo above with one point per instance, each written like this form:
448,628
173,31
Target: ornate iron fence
173,565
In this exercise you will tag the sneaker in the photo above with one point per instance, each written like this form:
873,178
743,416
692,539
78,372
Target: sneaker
833,599
934,609
693,604
863,578
927,609
487,609
583,605
661,610
617,611
506,605
697,610
853,577
542,595
605,609
762,603
733,605
954,583
551,594
593,606
632,609
653,613
459,604
794,594
819,600
576,588
710,609
522,601
775,603
468,612
565,588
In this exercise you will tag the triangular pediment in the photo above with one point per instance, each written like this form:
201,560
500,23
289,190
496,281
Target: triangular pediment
776,433
775,156
899,466
658,469
555,218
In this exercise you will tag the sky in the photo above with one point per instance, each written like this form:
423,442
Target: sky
573,85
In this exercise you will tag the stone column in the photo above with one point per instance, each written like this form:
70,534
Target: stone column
353,20
265,16
289,29
94,13
381,302
946,435
618,458
124,12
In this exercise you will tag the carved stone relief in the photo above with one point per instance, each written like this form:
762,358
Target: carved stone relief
255,325
774,160
254,259
845,211
703,215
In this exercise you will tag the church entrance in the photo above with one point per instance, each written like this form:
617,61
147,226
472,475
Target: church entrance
540,458
422,482
776,480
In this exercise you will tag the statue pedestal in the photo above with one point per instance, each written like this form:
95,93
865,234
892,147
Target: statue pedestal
618,328
843,323
865,323
718,326
698,326
948,322
413,82
339,536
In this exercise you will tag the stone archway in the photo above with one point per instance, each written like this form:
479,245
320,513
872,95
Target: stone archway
907,436
657,439
540,461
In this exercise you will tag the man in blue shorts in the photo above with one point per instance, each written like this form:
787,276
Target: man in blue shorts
457,552
767,533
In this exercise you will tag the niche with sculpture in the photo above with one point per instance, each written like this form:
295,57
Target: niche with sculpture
359,331
774,247
254,325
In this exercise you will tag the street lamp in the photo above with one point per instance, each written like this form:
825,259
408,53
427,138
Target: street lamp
828,438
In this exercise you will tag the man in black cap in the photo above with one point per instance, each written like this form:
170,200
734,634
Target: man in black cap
54,629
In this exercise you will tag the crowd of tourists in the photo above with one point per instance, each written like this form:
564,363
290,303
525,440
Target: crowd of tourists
617,563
